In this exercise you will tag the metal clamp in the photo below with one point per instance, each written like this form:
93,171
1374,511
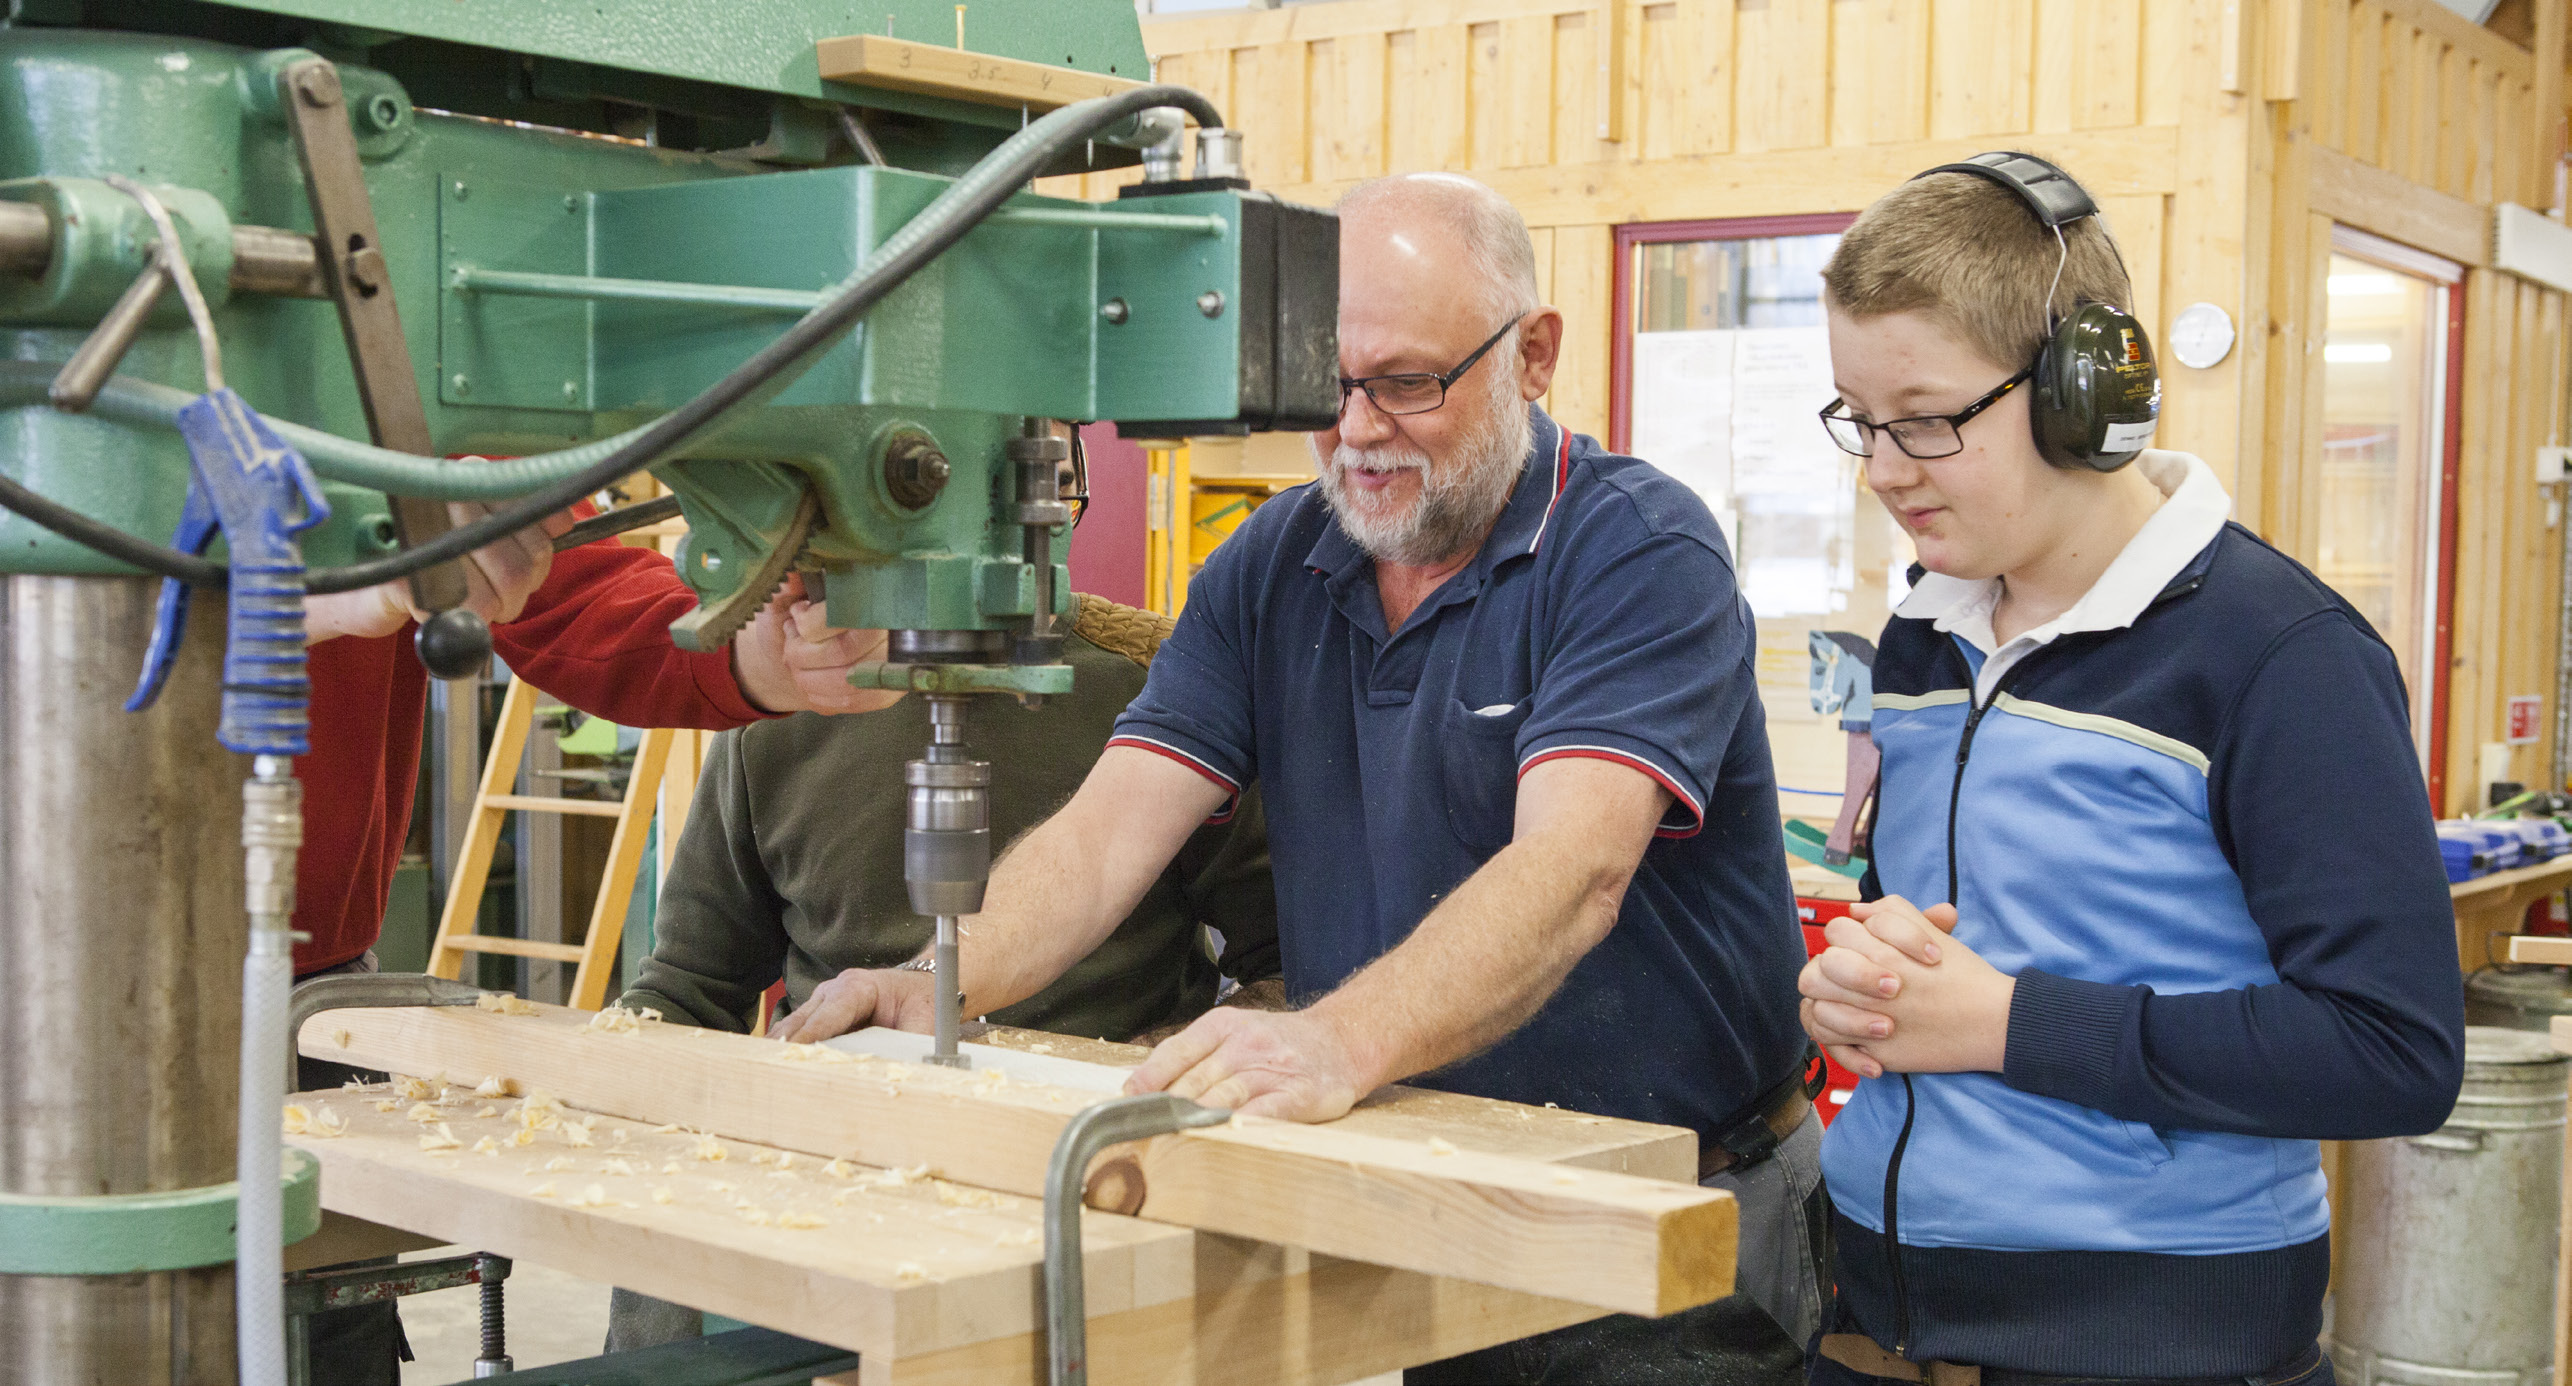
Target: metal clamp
1113,1122
374,1282
342,991
128,1234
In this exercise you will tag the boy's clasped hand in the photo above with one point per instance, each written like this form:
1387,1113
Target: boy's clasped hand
1897,993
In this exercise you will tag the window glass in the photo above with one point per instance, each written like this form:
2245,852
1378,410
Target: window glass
1730,365
2384,368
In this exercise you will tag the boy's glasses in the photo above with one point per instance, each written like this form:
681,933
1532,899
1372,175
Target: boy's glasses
1418,392
1924,436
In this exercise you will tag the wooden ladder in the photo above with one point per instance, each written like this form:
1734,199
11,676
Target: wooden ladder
596,953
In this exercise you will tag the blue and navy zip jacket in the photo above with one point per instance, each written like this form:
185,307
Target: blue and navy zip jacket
2196,833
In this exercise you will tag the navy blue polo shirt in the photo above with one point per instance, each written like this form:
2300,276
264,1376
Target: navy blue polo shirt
1600,618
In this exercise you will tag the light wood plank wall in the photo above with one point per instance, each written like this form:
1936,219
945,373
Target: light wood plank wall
2223,137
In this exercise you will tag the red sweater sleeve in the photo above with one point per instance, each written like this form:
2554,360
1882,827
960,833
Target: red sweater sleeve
597,636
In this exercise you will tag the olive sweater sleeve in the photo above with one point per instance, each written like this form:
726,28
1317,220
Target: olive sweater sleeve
719,937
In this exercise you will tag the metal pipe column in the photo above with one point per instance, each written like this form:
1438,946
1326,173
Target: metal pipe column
121,937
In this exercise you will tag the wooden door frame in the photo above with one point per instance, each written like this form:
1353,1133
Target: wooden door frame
1621,314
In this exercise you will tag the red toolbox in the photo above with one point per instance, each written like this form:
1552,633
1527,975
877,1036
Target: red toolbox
1838,1083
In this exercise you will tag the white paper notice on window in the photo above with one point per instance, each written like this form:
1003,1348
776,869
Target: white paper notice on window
1683,404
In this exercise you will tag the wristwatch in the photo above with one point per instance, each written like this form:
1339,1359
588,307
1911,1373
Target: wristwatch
928,964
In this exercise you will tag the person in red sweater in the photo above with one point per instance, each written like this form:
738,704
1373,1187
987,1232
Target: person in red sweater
591,626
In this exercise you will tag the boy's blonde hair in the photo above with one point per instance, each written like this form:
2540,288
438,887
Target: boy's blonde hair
1969,253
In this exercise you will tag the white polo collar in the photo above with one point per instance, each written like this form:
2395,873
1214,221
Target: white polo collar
2193,510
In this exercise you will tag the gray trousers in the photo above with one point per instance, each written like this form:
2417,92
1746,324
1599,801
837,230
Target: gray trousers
1754,1338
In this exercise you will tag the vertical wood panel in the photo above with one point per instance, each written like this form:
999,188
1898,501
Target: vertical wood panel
2108,47
1348,107
1573,48
2059,77
1850,102
2452,167
2361,134
1527,67
1581,264
1281,97
2473,675
1427,78
2398,128
2166,28
2513,180
1897,70
2325,99
1782,91
2482,92
1981,60
1487,98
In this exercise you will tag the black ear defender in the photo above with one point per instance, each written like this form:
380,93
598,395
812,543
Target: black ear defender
2098,389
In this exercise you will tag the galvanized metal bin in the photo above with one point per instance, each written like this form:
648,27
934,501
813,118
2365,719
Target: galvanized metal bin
2447,1272
2519,998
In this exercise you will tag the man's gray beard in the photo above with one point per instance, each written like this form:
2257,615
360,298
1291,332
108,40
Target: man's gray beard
1458,499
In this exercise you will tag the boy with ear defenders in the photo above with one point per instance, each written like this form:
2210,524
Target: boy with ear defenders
2156,903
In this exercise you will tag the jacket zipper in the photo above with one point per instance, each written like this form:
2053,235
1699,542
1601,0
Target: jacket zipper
1910,1109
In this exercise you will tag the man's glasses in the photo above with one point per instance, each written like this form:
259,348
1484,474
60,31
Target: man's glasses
1417,392
1925,436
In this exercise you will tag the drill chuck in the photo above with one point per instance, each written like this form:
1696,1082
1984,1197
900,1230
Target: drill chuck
946,843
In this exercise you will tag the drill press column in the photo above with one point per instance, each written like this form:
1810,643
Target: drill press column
946,850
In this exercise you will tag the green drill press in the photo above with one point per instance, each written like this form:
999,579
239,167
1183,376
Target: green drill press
588,239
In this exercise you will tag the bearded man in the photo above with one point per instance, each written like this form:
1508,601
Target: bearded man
1496,686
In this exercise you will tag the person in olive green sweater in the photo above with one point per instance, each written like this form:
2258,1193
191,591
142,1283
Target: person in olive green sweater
791,862
791,866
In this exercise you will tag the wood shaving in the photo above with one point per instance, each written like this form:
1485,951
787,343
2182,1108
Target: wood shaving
756,1217
522,1137
615,1166
617,1136
719,1186
317,1121
560,1163
839,1169
355,1084
1040,1049
1027,1238
765,1157
616,1020
840,1199
486,1146
502,1003
422,1112
341,1038
487,1109
544,1190
811,1054
388,1104
1590,1121
1438,1146
959,1196
785,1159
538,1111
1553,1106
576,1133
669,1167
910,1270
802,1220
896,1178
1565,1176
415,1089
491,1087
663,1195
991,1080
591,1197
668,1128
443,1139
710,1149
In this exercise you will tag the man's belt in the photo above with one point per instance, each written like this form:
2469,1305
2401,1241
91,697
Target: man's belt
1860,1353
1757,1136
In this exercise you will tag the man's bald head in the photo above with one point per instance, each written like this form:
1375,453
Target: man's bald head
1475,220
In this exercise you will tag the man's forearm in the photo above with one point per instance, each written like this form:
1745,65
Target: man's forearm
1481,964
1061,889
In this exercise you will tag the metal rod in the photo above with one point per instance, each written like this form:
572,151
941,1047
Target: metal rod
96,358
1113,1122
950,1003
475,279
1207,224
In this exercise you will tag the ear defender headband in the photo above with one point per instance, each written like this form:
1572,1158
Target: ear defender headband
2098,392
